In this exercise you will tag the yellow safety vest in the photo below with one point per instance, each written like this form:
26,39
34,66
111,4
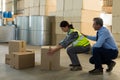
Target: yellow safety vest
81,40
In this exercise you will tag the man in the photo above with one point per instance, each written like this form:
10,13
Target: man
105,48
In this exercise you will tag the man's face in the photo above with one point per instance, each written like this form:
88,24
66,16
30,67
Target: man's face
96,26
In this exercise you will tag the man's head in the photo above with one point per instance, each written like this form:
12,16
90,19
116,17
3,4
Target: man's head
97,23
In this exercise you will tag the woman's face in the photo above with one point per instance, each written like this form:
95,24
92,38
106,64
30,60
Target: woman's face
65,29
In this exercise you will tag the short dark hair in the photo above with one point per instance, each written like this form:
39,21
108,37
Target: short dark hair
98,21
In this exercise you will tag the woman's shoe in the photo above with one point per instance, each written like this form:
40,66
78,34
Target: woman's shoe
71,65
76,68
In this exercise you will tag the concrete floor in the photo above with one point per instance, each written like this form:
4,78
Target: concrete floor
8,73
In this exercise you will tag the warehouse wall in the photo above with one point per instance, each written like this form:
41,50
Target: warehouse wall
69,10
90,10
33,7
9,4
78,12
116,21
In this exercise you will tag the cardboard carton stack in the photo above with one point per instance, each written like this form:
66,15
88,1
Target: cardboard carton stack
7,59
17,46
107,6
49,62
19,57
21,60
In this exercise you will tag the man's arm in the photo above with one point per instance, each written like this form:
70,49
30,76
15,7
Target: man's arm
93,38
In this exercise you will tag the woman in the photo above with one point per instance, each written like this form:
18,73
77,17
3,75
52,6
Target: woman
80,44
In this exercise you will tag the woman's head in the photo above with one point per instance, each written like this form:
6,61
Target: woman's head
65,26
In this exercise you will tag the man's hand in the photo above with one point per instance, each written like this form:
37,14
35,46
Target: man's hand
84,35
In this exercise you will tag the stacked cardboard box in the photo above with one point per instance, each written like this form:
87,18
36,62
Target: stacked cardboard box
17,46
49,62
19,57
7,59
107,2
107,6
21,60
107,9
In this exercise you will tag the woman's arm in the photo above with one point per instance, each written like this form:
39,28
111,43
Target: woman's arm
69,39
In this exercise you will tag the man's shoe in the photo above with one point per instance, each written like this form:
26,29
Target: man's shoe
96,71
76,68
110,67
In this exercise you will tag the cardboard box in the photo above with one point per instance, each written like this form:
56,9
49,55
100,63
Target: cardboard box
107,9
7,59
17,46
30,50
22,60
49,62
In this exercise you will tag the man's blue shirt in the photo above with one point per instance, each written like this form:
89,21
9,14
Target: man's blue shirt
105,39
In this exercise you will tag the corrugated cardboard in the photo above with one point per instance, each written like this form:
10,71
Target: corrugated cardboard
49,62
22,60
30,50
7,59
107,9
17,46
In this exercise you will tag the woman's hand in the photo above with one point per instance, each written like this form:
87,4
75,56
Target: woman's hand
51,51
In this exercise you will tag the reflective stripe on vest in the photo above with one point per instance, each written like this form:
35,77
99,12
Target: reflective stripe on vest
81,40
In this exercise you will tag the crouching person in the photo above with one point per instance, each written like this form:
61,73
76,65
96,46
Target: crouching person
80,44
